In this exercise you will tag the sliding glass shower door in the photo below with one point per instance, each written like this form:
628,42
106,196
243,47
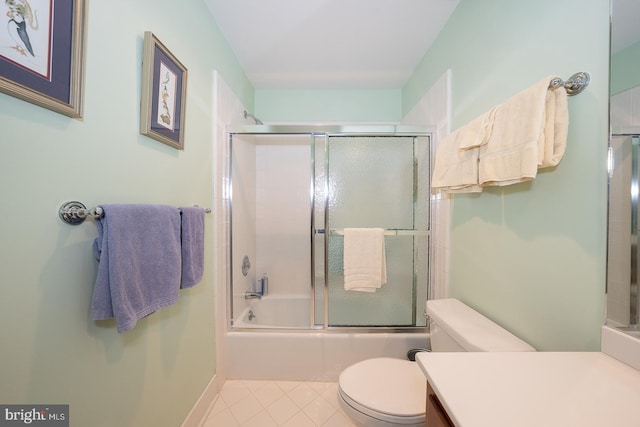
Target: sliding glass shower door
292,192
378,182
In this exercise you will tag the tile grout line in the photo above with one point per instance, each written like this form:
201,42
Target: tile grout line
310,401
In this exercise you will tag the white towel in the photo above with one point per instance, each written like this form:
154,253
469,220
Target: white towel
529,132
365,266
456,162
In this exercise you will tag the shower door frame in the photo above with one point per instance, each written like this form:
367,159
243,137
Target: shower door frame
633,140
325,131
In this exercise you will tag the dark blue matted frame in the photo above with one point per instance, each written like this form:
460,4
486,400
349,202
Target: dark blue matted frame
60,87
155,56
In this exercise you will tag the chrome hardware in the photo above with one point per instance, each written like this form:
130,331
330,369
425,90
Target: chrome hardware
387,232
576,83
75,213
252,295
246,265
255,119
251,315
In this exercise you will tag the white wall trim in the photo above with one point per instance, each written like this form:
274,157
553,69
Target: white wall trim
201,410
434,109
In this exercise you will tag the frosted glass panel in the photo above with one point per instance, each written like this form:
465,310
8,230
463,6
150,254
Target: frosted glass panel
375,182
371,182
392,305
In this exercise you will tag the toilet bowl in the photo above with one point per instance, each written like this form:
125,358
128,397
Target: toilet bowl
386,392
400,402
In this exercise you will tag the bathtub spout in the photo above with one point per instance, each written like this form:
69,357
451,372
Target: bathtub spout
252,295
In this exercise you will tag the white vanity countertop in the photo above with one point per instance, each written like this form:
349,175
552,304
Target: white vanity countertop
534,389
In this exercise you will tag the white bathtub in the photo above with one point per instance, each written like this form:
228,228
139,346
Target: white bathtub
296,353
274,312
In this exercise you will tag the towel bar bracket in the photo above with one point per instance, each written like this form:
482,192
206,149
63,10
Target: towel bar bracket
75,213
576,83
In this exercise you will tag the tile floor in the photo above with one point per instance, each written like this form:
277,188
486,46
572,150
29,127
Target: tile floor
277,403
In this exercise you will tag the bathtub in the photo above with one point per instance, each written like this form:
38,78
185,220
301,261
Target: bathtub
273,349
274,312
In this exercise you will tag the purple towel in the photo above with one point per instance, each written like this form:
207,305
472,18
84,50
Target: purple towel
138,247
192,246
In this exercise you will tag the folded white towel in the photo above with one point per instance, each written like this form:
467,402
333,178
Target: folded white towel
365,267
529,132
456,162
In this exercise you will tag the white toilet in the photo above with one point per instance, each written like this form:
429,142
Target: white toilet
386,392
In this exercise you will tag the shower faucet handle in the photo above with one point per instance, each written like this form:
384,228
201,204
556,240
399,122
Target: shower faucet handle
264,285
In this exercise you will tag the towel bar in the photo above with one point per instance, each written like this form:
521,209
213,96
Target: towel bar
75,213
574,85
387,232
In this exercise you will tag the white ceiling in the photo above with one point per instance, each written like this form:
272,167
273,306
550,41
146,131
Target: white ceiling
330,44
350,44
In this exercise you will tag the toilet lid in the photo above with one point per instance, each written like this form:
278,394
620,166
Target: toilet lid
384,385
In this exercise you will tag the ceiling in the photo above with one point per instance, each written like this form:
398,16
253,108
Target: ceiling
330,44
350,44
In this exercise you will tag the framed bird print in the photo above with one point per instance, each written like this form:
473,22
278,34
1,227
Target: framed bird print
41,53
164,90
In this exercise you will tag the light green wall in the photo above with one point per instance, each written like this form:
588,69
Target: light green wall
531,256
51,351
625,69
321,106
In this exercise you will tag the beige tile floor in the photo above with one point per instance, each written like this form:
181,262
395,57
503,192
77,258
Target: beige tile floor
277,403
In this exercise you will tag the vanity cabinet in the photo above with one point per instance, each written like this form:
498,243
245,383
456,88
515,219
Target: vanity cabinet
436,415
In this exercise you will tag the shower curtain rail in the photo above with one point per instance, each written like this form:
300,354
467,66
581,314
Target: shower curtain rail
387,232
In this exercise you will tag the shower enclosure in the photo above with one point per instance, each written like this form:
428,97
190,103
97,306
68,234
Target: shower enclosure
291,193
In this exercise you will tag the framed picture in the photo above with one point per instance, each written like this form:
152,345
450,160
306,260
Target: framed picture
164,90
41,52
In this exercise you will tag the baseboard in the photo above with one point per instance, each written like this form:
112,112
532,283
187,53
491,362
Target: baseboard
200,411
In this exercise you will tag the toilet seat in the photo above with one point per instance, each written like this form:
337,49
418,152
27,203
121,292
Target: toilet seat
391,391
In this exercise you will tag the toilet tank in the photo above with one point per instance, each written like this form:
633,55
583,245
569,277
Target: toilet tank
455,326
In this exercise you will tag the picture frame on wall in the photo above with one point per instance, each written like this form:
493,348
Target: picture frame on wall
164,90
41,53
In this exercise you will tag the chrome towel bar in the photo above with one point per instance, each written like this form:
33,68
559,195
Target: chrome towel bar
75,213
387,232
